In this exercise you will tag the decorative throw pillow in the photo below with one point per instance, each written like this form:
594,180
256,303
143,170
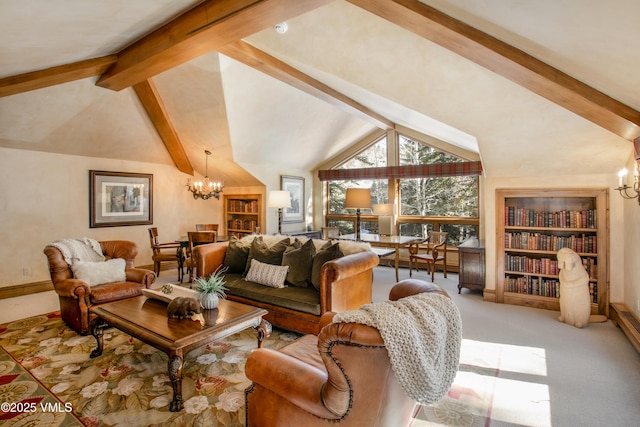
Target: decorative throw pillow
97,273
329,252
267,274
236,256
260,251
299,258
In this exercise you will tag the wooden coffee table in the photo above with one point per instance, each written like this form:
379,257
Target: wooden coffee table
146,319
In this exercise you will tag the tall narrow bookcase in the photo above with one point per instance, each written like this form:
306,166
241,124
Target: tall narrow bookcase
531,226
243,213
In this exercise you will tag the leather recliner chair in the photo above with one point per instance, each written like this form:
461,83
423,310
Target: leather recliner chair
343,376
76,297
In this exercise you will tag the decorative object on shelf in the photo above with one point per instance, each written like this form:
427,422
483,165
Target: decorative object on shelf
622,176
205,189
120,198
357,198
211,289
280,199
295,186
385,218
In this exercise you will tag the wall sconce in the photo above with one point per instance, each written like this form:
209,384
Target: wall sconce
279,199
357,198
623,188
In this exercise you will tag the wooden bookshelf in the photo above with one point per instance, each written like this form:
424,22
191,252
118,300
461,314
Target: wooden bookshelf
531,226
243,213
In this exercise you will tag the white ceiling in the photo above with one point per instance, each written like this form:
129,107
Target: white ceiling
245,116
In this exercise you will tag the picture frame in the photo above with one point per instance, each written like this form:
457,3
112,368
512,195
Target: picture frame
118,199
295,186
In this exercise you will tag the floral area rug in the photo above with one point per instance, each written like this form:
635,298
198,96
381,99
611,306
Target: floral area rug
127,385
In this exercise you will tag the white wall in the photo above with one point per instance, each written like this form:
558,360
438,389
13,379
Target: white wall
45,197
630,242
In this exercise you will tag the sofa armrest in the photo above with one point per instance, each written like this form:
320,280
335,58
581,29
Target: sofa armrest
71,288
408,287
346,282
293,380
140,275
209,257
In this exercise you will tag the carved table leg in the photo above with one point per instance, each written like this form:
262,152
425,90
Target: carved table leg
264,331
176,362
97,329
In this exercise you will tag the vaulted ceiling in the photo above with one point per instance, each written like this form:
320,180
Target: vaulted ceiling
519,83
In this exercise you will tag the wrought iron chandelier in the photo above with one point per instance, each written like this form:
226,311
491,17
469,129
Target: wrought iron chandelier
206,188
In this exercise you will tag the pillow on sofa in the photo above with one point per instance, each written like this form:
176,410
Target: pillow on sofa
267,274
97,273
236,256
260,251
327,253
299,258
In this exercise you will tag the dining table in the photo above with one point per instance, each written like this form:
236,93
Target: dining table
379,240
183,241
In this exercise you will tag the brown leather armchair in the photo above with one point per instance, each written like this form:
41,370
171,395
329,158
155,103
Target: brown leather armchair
76,296
343,376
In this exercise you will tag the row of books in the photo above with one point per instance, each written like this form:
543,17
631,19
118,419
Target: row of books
544,242
514,216
240,224
541,286
548,266
246,206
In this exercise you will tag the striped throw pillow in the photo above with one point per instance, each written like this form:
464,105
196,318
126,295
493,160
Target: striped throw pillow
267,274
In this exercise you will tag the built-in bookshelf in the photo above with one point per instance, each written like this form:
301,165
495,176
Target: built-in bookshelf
243,213
531,226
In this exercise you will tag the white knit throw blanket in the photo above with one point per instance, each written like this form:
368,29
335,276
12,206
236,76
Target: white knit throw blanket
84,249
422,334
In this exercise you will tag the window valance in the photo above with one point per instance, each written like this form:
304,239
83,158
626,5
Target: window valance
409,171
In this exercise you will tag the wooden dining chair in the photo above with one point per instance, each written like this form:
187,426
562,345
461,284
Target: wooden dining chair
162,252
430,251
330,232
197,238
206,227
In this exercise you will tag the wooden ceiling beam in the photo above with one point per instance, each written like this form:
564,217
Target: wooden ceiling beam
203,29
152,102
55,75
262,61
509,62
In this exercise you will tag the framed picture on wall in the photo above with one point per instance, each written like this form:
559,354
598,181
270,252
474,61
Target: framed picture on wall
120,198
295,186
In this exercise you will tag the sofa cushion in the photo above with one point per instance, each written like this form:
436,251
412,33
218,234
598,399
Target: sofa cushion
299,258
268,254
267,274
327,253
306,300
236,256
97,273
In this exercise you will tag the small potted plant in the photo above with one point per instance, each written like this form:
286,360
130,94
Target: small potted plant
211,289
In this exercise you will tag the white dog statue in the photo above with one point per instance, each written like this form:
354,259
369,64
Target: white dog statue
575,302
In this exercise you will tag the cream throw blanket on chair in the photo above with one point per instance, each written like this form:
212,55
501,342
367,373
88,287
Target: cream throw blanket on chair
422,334
84,249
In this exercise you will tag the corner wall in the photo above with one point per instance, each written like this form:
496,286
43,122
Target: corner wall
45,197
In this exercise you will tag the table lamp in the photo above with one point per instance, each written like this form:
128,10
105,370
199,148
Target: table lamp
385,218
279,199
357,198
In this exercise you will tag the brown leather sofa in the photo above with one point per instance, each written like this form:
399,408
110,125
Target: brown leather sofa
342,376
76,296
345,285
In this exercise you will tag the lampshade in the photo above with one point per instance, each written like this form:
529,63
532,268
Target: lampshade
383,209
279,199
358,198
